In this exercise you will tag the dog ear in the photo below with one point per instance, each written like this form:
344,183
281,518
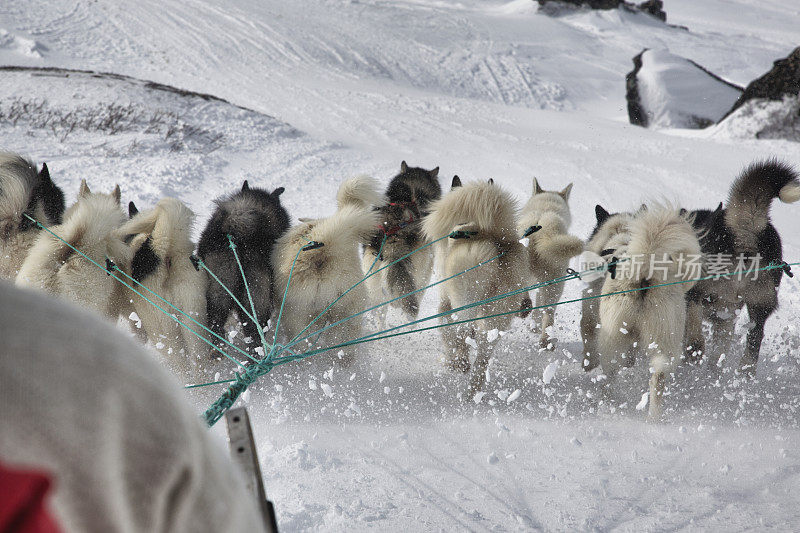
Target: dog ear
434,173
245,186
403,166
132,211
45,173
491,181
116,193
565,193
601,214
682,212
642,208
277,192
536,187
455,183
84,191
719,208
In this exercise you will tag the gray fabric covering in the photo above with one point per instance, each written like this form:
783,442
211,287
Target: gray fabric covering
127,452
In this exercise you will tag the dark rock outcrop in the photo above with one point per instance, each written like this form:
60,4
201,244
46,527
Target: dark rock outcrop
654,8
781,81
636,113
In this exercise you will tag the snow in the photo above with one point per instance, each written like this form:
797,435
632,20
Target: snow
320,90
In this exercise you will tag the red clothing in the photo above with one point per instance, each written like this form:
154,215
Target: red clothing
22,502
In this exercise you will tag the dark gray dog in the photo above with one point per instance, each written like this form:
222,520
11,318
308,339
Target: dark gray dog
408,198
740,233
254,218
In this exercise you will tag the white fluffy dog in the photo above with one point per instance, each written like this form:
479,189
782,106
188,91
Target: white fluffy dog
490,212
546,218
88,226
161,245
324,273
650,320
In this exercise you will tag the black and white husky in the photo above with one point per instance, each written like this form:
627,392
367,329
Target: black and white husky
254,219
23,190
740,237
407,199
609,238
160,239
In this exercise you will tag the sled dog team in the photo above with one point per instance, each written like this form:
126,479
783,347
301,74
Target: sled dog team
657,313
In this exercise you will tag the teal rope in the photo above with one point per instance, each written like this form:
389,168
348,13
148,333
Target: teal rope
115,268
293,343
283,360
285,292
365,278
223,339
372,337
249,296
202,265
244,380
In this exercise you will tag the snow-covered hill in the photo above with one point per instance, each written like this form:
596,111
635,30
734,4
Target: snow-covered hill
319,90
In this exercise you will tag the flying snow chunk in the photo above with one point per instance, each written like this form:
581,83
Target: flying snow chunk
492,335
478,397
472,342
513,396
549,373
643,402
135,318
327,390
492,459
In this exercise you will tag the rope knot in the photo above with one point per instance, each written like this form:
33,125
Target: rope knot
531,230
462,234
313,245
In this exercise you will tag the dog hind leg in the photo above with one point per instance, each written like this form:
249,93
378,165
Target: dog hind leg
400,282
548,296
758,316
694,343
457,351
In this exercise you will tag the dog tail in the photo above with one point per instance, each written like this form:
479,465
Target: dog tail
168,223
662,239
360,191
562,246
753,191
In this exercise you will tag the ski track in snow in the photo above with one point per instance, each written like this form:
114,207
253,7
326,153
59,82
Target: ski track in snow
327,89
